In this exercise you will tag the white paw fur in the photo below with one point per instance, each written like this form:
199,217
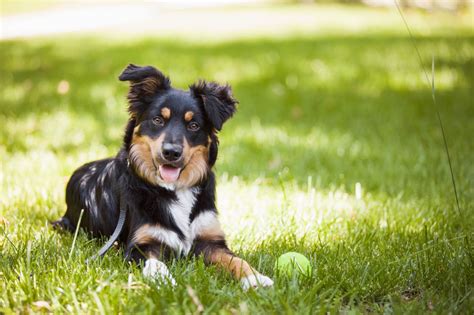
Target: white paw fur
255,281
155,269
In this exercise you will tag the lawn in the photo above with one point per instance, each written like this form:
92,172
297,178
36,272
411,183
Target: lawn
320,113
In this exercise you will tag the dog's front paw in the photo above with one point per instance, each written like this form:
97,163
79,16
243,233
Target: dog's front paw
155,269
255,281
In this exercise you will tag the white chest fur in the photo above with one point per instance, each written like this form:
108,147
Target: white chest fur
180,210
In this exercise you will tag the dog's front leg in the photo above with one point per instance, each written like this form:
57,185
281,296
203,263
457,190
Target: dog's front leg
210,242
216,252
152,256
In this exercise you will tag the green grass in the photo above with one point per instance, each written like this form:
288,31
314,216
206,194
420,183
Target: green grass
318,114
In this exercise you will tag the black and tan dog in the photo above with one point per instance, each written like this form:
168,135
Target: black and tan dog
163,177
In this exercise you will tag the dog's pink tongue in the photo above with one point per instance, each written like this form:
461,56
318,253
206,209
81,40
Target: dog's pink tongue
169,173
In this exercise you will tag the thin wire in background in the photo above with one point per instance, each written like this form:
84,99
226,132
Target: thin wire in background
431,83
440,121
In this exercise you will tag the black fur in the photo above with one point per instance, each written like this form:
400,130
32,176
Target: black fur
219,104
205,247
99,186
147,82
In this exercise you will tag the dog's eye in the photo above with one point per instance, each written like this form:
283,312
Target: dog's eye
158,120
193,126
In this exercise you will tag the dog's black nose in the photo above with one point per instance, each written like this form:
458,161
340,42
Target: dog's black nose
172,152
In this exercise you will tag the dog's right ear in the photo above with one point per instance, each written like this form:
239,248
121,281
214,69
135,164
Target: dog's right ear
213,149
145,83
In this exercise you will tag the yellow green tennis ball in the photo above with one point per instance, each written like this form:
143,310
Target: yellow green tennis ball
292,262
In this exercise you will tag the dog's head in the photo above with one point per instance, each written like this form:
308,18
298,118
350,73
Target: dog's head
171,137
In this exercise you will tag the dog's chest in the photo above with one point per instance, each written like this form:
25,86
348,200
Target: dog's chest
181,235
180,210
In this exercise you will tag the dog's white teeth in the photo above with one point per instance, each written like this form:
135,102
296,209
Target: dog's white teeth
255,281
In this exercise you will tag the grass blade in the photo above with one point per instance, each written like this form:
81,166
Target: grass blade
75,234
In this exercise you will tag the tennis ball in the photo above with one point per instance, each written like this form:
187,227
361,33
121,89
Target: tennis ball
292,262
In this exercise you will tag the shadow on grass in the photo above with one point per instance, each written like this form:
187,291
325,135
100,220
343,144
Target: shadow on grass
340,109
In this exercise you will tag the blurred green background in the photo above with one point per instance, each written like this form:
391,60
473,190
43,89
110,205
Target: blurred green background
336,150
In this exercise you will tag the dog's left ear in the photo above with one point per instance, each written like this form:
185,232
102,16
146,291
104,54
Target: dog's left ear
218,101
145,83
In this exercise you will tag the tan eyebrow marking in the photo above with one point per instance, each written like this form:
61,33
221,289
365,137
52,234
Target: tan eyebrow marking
166,113
188,116
136,130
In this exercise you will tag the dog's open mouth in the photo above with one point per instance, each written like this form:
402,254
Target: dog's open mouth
169,173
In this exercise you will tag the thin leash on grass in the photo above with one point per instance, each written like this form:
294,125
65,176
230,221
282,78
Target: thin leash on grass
431,83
